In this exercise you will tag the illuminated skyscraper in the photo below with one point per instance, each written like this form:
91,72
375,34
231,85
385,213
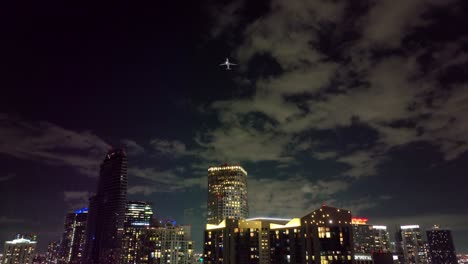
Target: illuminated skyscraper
441,247
369,238
107,212
227,194
412,244
72,244
52,254
137,218
19,251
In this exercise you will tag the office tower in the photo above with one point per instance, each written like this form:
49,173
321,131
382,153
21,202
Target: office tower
441,247
227,193
363,236
18,251
137,218
176,244
323,236
237,241
381,238
167,243
72,244
413,245
369,238
52,254
150,246
107,211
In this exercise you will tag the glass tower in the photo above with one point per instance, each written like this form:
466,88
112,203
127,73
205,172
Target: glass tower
441,247
137,218
72,244
107,211
413,245
227,194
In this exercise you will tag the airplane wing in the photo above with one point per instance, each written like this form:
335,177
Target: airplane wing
232,63
222,64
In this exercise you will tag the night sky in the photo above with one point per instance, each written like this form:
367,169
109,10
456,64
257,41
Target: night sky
354,104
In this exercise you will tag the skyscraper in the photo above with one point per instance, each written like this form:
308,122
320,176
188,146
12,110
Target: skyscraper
72,245
18,251
369,238
413,245
137,218
167,243
52,254
441,247
107,211
227,193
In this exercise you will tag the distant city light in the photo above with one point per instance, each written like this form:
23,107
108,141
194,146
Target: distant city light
359,220
409,226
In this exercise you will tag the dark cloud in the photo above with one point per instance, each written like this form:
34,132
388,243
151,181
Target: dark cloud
132,148
168,147
47,142
77,199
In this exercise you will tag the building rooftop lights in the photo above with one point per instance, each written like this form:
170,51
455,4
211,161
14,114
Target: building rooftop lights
359,221
268,218
409,226
21,241
295,222
221,168
379,227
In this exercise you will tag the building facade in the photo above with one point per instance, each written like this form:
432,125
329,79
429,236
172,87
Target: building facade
19,251
72,245
166,244
323,236
107,211
441,246
412,245
52,254
138,216
227,194
369,238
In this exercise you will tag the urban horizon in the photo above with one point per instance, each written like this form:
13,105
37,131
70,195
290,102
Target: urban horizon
358,105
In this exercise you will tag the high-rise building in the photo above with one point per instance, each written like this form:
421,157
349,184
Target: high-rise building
52,254
412,245
176,244
106,217
19,251
72,245
227,194
323,236
138,216
150,246
167,243
441,247
369,238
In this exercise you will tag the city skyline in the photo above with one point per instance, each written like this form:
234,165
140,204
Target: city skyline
352,104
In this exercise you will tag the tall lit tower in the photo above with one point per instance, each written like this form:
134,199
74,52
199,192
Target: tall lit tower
413,245
227,193
72,244
369,238
18,251
441,247
137,218
107,211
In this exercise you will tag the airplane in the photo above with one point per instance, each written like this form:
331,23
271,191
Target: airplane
227,63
